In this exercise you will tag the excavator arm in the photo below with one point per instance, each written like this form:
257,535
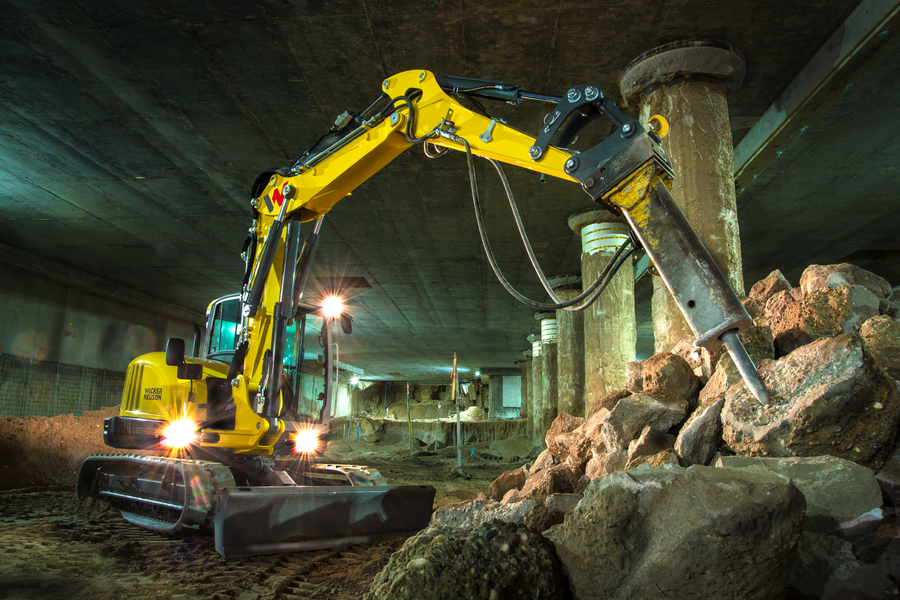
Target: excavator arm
628,173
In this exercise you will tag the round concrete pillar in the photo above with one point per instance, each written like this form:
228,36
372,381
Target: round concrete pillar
537,386
569,349
548,369
525,370
687,83
610,331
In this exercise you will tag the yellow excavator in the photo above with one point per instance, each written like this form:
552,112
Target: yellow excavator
231,408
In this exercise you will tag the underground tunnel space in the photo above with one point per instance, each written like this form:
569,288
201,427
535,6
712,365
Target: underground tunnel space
795,498
241,243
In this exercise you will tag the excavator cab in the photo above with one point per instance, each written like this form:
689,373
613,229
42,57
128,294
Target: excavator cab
299,410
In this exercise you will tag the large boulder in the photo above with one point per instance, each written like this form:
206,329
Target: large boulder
495,560
564,423
842,497
821,277
700,437
669,532
821,314
827,397
764,289
632,413
535,515
825,567
558,479
507,481
882,337
664,371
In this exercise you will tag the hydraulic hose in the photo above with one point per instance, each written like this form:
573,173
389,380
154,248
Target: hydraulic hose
411,122
530,250
623,253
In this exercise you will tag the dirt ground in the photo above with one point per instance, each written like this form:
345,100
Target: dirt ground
52,546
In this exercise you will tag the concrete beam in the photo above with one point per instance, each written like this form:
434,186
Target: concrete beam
867,34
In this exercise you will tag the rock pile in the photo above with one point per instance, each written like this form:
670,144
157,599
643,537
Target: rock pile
654,520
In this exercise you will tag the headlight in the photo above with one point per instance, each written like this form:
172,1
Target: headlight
332,307
306,441
179,433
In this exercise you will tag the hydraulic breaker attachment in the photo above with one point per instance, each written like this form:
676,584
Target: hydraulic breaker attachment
635,182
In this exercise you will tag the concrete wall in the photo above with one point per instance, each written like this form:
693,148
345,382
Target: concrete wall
64,350
48,321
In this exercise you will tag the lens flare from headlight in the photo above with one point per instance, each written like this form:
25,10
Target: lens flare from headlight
306,441
179,433
332,307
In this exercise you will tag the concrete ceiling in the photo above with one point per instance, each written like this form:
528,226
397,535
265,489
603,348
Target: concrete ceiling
130,133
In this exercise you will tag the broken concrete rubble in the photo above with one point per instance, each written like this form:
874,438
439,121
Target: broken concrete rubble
820,277
842,497
833,415
562,424
664,371
557,479
663,457
821,314
828,397
700,437
776,305
632,413
504,483
494,560
881,335
774,283
825,567
671,532
537,516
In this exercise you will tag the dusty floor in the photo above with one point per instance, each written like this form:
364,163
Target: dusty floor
52,546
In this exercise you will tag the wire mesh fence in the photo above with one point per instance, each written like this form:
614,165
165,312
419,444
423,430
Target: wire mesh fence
47,388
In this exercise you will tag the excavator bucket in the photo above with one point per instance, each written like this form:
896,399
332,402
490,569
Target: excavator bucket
272,520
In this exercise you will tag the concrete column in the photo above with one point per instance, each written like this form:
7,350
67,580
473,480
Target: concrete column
524,365
537,387
570,349
610,332
355,399
549,369
687,83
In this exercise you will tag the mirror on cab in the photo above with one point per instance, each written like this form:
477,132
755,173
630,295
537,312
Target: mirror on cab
175,358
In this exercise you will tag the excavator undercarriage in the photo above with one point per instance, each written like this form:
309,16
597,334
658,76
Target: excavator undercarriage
330,504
